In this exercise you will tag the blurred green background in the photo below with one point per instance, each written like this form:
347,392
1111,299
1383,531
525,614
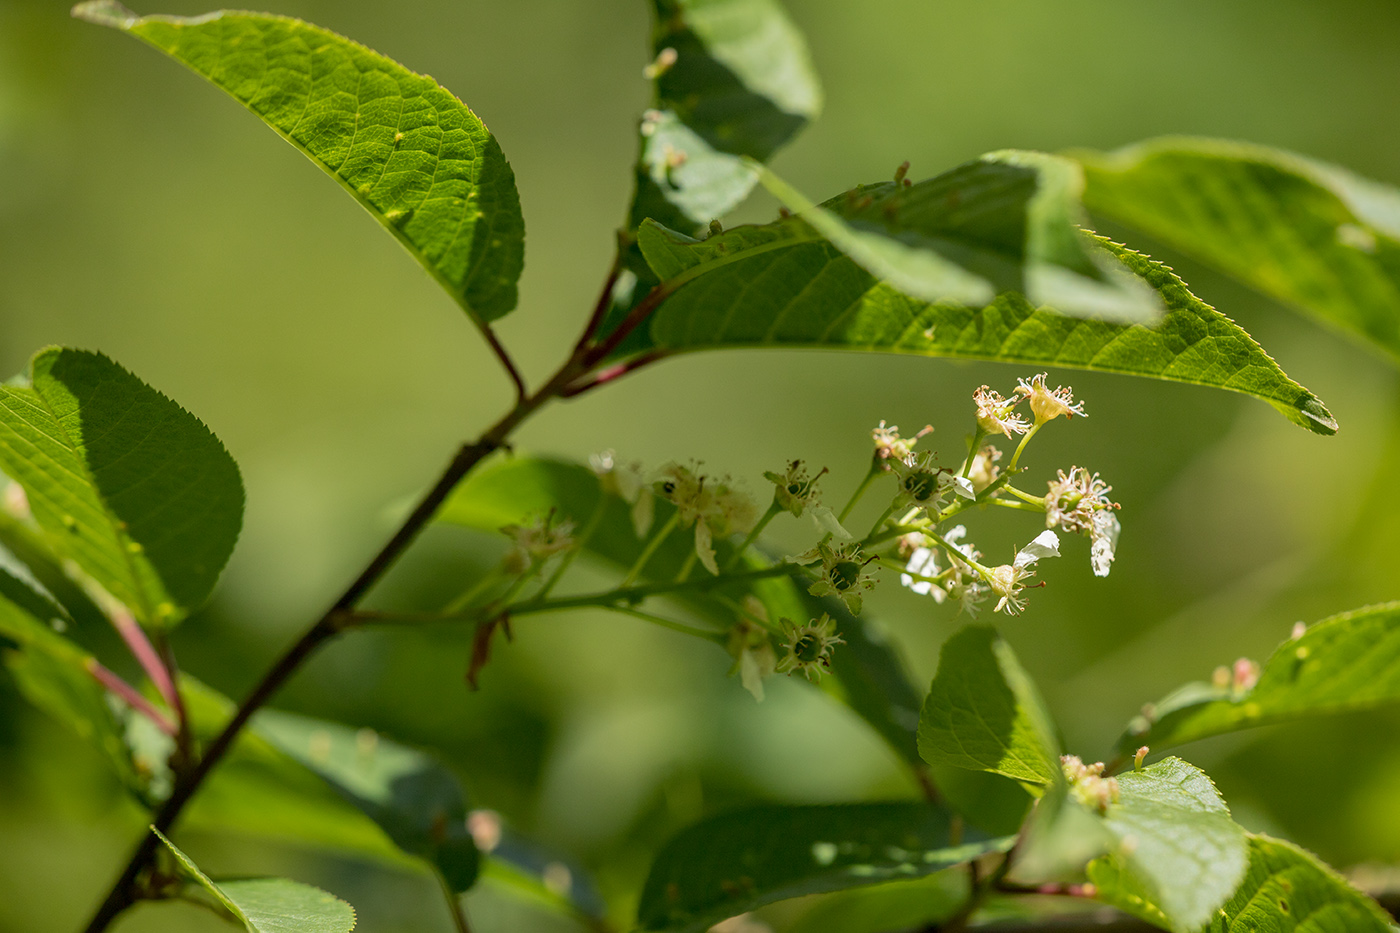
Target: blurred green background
144,214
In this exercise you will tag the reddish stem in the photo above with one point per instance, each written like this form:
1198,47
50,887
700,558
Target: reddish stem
149,659
130,695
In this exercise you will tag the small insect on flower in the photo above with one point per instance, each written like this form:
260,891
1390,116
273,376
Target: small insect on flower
843,573
997,415
795,489
1088,785
890,446
1048,404
536,541
921,484
808,648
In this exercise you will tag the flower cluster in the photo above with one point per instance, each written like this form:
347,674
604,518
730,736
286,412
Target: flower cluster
1078,503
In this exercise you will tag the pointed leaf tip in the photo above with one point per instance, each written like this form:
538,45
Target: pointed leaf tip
105,13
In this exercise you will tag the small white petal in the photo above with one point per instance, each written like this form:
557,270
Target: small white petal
1104,535
1046,544
643,512
703,549
827,522
963,487
750,675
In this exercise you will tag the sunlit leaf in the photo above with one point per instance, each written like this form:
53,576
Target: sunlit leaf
126,483
1348,662
1312,235
735,862
780,286
732,78
1008,222
1175,846
983,713
410,152
271,905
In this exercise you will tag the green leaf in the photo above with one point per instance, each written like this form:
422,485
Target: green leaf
260,790
1288,889
870,677
1310,234
410,152
735,862
741,83
126,483
1348,662
983,713
271,905
1176,847
777,285
418,802
880,908
51,671
1008,222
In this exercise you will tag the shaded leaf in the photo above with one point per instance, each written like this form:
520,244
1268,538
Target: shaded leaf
1312,235
983,712
733,78
260,790
735,862
881,908
271,905
1348,662
1176,847
416,801
126,483
1007,222
410,152
777,285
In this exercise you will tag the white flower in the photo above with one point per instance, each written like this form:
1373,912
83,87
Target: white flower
890,446
1005,581
628,482
921,484
1046,544
751,650
536,541
996,415
712,507
922,565
1048,404
1072,500
1103,537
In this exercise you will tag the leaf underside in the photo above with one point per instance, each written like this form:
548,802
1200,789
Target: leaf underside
1309,234
728,864
410,152
1348,662
123,481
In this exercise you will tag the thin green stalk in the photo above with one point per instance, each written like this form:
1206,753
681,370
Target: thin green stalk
580,543
656,540
773,509
1021,506
977,440
879,521
454,906
687,565
738,608
1016,457
487,581
876,468
1025,496
718,638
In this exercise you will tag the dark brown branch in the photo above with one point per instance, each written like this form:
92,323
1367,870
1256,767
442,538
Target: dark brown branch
128,889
